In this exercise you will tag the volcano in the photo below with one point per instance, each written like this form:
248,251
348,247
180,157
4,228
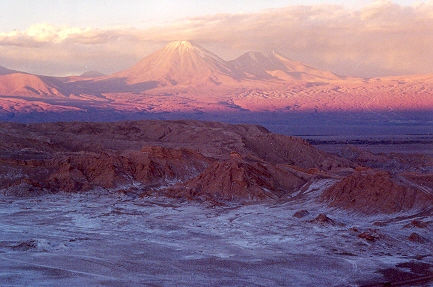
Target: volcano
184,63
264,67
181,63
185,77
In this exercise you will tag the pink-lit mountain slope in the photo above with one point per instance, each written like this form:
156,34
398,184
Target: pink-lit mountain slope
14,83
184,77
181,63
259,66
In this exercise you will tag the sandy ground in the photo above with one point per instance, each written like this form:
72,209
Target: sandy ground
109,239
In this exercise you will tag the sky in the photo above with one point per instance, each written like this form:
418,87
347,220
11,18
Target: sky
355,38
20,14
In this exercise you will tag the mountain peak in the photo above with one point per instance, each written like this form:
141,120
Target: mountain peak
179,44
91,74
254,55
182,47
181,63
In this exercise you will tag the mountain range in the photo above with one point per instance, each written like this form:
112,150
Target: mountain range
184,77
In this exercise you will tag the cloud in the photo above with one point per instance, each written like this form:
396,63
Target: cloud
382,38
45,34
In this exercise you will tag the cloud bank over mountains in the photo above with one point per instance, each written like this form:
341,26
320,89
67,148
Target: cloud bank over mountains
380,39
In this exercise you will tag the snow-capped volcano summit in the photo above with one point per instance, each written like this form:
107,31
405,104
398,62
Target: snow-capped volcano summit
181,45
181,63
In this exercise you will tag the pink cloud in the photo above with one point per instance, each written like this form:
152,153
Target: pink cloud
380,39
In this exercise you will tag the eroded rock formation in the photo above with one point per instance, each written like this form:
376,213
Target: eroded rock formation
196,160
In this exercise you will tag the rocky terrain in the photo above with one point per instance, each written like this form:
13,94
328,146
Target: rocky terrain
204,161
201,159
238,191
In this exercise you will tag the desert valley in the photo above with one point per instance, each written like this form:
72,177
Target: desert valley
192,169
164,198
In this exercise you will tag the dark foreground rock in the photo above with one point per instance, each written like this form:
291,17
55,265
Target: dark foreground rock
193,160
188,159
